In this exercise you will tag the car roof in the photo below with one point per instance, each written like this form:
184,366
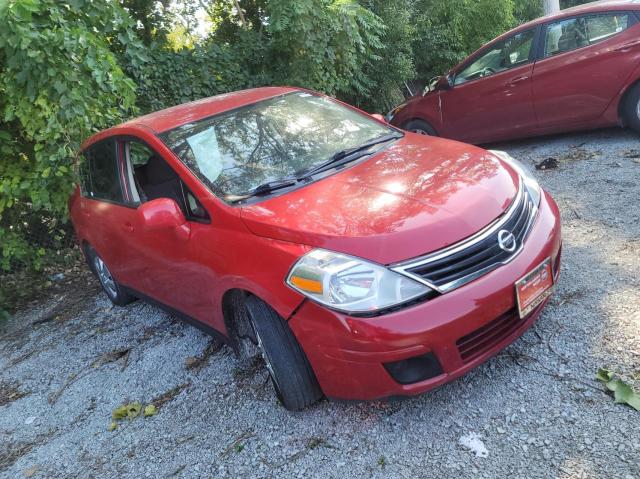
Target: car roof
169,118
592,7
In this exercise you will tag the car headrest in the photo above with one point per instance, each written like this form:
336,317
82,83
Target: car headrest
157,171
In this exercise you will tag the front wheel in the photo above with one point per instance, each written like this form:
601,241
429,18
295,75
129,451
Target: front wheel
113,290
293,379
631,109
420,127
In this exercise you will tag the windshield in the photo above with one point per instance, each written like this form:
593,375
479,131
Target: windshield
234,152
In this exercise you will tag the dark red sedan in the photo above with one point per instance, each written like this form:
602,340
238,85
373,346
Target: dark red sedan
577,70
361,261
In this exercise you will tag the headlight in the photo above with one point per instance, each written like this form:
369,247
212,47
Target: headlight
530,183
350,284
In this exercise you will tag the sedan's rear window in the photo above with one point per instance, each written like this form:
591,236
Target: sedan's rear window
236,151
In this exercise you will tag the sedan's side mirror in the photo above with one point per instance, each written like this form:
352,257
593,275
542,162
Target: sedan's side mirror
164,214
379,117
444,82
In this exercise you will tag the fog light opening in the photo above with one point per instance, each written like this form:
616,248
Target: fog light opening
414,370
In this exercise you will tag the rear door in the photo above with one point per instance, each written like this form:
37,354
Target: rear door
491,97
106,214
585,61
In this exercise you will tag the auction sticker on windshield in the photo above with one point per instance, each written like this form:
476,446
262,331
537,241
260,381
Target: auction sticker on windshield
534,288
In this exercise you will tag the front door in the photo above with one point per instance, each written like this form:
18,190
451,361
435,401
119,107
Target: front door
491,97
167,261
586,61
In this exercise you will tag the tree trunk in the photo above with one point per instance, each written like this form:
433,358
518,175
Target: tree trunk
551,6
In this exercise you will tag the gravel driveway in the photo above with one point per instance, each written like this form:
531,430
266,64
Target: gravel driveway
536,408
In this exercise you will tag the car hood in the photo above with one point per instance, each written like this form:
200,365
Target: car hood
416,196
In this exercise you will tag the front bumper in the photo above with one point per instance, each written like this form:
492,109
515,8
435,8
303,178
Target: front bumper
348,353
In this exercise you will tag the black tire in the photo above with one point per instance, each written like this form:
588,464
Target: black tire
114,291
293,379
631,108
420,127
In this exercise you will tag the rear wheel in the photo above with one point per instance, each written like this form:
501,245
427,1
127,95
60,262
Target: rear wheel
113,290
631,108
420,127
293,379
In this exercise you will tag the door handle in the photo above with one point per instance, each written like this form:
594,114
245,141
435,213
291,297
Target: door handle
128,227
627,47
514,81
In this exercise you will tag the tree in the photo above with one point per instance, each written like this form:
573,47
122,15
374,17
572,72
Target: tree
59,82
550,6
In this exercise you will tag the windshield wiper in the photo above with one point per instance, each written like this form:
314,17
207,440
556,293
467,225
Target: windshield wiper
271,186
345,156
264,189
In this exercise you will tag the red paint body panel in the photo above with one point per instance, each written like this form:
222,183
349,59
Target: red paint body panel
413,197
576,90
347,353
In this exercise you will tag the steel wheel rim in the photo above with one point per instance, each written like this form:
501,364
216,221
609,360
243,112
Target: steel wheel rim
638,110
104,275
421,132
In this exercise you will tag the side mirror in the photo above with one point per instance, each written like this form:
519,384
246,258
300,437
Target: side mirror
164,213
379,117
444,82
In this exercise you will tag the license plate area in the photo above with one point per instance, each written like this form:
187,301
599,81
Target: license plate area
534,288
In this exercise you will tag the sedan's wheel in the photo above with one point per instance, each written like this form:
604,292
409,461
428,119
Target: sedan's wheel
631,108
420,127
293,379
114,291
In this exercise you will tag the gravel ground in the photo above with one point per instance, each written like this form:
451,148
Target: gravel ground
535,408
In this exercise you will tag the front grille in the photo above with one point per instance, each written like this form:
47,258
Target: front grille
483,339
459,264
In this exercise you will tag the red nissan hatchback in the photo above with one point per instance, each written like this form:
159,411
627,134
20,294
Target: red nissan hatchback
361,261
577,70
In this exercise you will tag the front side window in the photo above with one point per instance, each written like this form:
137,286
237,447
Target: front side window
574,33
502,56
151,177
274,139
99,172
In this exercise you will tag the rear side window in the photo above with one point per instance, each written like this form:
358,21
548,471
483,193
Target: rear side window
574,33
99,172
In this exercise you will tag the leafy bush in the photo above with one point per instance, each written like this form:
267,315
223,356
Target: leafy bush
169,78
324,45
60,81
449,31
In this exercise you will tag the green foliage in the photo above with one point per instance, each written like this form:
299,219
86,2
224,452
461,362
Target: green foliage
622,392
59,82
395,65
170,78
324,45
449,31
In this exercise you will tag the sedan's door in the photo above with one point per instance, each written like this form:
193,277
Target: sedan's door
491,97
585,62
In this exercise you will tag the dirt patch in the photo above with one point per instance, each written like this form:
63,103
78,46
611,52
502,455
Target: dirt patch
196,363
170,395
10,453
10,391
